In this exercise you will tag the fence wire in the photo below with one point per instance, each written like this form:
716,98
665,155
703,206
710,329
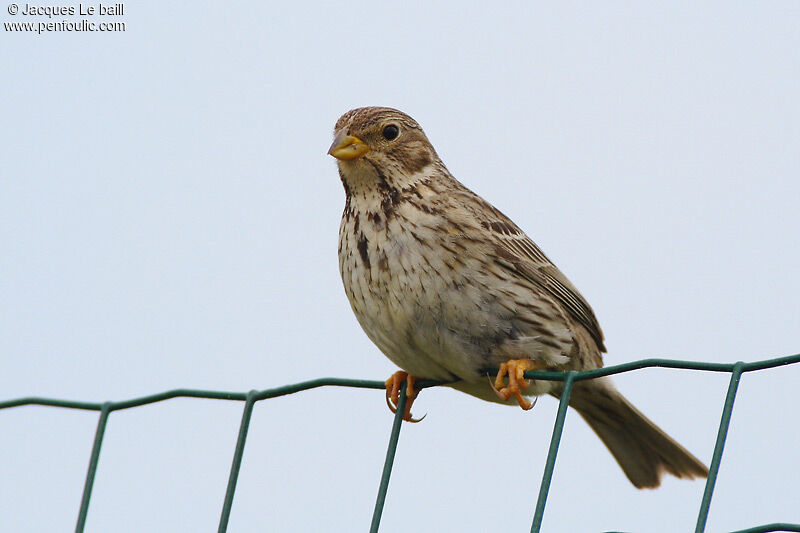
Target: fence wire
569,378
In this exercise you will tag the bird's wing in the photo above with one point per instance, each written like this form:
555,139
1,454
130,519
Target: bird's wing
517,252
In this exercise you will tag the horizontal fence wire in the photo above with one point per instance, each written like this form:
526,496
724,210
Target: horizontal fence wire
569,378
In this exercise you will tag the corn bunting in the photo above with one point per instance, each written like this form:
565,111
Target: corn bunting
450,289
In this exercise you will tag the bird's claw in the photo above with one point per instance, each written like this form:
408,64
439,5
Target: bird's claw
515,370
393,385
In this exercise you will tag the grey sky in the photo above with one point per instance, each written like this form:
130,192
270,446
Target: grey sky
168,218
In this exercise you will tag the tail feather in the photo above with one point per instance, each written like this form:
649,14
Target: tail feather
642,449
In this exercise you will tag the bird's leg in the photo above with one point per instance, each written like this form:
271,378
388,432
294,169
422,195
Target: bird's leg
393,385
515,370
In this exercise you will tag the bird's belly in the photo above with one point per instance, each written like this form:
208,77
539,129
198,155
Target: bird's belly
430,322
413,329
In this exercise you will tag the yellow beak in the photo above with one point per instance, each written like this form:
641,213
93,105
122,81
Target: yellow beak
347,147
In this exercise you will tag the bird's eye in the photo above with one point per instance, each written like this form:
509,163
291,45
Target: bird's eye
390,132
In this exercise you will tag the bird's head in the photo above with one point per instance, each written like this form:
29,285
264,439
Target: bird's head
380,146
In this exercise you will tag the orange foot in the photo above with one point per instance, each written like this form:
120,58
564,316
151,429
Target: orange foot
515,370
393,385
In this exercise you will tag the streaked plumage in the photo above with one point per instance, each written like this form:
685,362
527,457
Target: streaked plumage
449,288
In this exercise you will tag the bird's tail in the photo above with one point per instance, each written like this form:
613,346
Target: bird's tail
642,449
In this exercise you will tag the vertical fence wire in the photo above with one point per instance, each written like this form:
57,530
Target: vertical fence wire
389,462
555,441
90,472
238,453
722,435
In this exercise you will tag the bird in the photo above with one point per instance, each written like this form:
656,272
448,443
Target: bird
452,290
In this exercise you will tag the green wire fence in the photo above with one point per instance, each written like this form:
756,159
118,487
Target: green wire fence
569,378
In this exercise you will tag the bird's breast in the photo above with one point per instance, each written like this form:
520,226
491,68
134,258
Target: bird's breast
416,296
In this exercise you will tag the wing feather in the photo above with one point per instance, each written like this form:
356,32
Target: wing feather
517,252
